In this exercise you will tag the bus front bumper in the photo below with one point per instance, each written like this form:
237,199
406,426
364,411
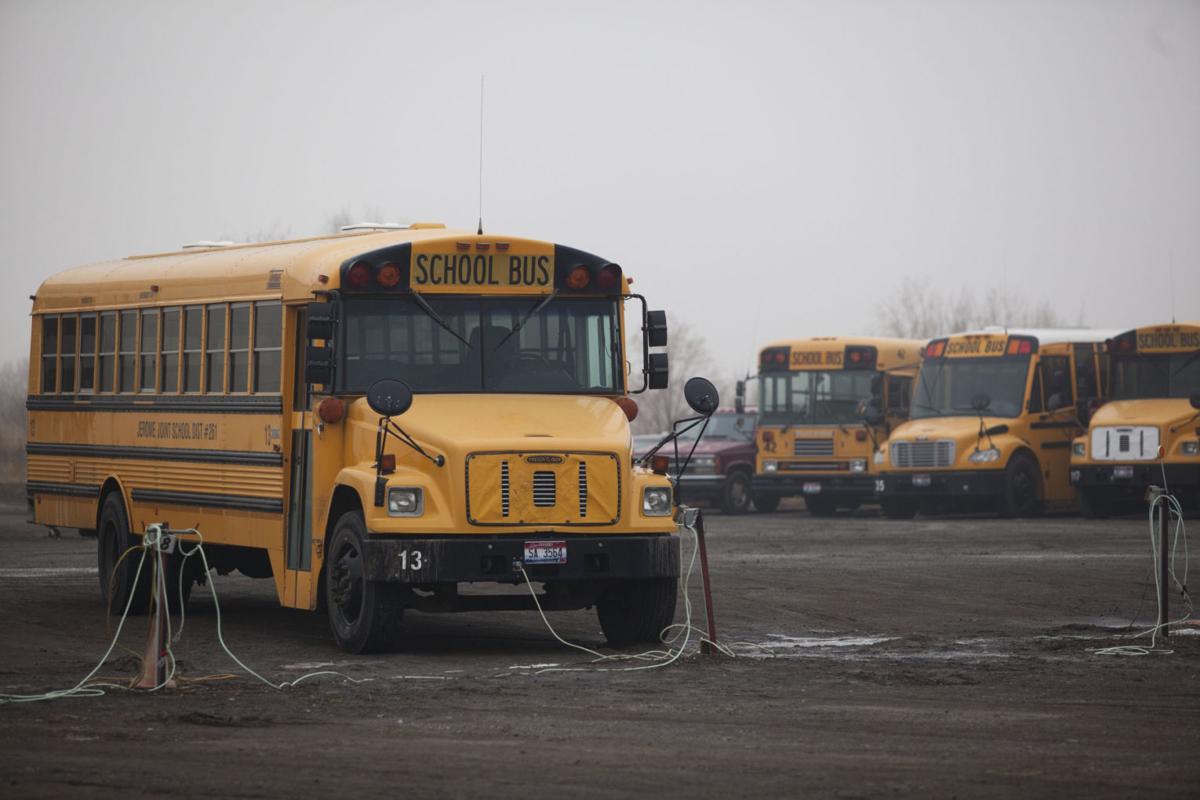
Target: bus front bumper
957,483
856,485
498,559
1131,480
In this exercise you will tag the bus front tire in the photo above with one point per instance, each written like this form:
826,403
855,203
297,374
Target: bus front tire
736,497
117,563
365,616
1093,504
897,508
637,611
765,502
1020,496
820,506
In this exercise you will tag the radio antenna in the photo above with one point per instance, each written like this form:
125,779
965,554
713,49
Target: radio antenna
1171,278
480,230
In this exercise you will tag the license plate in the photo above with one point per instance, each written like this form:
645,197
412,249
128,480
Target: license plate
921,480
545,552
1122,472
812,488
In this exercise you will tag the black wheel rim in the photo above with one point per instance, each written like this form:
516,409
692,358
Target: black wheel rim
1022,489
739,494
347,585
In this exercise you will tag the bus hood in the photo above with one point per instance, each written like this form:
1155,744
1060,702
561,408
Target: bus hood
914,444
456,425
1156,412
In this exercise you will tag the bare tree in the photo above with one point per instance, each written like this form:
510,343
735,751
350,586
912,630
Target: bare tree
14,378
920,310
689,356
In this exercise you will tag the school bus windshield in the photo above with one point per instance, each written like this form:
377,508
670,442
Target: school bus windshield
1148,376
562,345
947,387
813,397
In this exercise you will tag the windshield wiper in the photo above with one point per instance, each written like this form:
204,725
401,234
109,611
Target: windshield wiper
541,304
832,414
433,315
1187,363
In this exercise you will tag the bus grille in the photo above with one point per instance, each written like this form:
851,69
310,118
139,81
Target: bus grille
923,455
813,447
544,489
583,489
504,485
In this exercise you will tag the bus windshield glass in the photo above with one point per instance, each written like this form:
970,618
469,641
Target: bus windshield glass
946,387
813,398
564,346
1149,376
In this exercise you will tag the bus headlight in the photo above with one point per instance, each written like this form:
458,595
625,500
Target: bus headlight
984,456
405,502
1190,448
656,501
858,465
770,466
1079,449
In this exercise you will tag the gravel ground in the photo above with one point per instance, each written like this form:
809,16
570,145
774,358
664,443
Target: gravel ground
945,657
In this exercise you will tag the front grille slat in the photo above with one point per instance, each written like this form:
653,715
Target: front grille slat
545,488
504,488
923,455
812,447
583,489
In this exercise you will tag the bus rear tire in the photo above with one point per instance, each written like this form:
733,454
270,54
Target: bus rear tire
637,611
117,570
736,497
897,508
1021,495
365,616
820,506
765,502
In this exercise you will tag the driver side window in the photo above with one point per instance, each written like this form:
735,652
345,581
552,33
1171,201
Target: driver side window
1056,378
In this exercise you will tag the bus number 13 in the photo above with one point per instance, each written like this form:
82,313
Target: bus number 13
411,559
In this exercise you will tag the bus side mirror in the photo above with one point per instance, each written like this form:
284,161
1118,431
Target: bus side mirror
656,371
656,329
320,321
1194,399
701,396
318,360
318,365
739,399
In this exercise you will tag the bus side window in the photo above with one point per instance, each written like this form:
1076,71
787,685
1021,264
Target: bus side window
127,350
108,350
193,348
1035,392
239,347
49,354
87,353
148,352
899,394
214,346
69,356
170,350
268,346
1057,380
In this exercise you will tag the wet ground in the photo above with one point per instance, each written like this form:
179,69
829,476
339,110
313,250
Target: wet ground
935,658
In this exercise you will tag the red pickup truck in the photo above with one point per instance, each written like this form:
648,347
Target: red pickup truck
722,465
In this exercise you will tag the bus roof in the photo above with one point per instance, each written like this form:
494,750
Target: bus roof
1044,335
291,269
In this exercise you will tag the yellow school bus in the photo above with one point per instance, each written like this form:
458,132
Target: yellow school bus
231,389
993,417
825,405
1149,432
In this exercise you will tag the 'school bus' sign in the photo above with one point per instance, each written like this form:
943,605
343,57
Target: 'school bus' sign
525,267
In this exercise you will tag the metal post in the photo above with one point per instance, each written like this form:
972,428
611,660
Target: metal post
154,661
1164,525
705,647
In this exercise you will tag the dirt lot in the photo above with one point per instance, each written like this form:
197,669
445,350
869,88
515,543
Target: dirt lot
943,658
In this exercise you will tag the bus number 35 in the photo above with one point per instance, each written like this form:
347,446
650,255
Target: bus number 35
411,559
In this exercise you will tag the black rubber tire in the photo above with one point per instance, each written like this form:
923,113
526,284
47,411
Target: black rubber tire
113,538
365,616
637,611
820,506
898,508
1093,504
766,502
737,495
1021,494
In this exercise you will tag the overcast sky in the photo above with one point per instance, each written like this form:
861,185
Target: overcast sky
764,170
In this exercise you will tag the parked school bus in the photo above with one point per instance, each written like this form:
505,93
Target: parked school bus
825,405
993,417
1154,403
223,388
